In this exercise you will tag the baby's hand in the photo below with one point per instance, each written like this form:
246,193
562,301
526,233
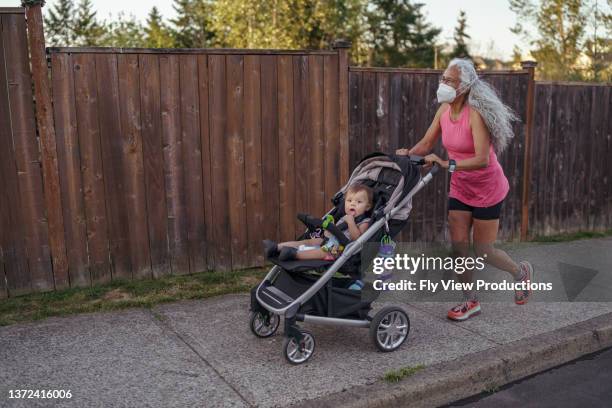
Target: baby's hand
349,218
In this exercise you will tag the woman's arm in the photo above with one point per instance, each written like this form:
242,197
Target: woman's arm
428,141
482,143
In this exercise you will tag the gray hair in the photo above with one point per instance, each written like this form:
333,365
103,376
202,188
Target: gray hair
483,98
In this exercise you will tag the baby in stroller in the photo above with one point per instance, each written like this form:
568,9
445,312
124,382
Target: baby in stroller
357,206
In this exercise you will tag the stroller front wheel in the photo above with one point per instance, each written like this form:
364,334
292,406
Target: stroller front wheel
264,324
389,328
299,351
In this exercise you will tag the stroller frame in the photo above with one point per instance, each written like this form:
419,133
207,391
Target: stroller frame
288,308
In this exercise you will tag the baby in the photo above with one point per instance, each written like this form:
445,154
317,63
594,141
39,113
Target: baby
357,202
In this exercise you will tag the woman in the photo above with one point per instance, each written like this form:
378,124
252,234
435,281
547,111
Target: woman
474,124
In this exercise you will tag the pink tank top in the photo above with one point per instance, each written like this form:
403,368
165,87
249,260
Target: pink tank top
478,188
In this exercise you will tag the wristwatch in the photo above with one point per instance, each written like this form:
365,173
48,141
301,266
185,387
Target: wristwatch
451,166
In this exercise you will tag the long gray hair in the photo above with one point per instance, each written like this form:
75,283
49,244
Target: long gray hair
497,116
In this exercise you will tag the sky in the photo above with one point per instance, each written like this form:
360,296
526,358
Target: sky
489,21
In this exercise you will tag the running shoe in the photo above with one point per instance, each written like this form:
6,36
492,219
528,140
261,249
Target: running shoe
465,310
522,296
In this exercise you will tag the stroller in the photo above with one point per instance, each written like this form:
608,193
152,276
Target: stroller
312,291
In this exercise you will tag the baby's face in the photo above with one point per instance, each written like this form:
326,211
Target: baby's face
356,204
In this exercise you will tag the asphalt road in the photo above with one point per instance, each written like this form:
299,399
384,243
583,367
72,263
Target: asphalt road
586,382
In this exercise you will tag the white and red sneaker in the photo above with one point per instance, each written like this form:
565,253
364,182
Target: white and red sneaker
465,310
522,296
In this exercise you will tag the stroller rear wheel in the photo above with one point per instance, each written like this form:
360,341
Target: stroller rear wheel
299,351
389,328
264,324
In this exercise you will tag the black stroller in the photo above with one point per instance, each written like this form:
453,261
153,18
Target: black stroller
311,291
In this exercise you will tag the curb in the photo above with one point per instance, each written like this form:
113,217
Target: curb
472,374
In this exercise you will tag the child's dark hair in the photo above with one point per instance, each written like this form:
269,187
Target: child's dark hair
357,187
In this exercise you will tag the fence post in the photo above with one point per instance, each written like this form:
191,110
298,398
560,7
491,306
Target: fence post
46,132
342,47
529,66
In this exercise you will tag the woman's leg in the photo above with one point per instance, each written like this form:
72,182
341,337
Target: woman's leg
459,223
485,235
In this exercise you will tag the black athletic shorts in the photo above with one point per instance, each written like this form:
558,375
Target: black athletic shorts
480,213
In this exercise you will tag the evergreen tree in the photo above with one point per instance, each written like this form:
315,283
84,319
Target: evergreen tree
86,28
400,35
59,24
461,49
124,32
192,25
157,34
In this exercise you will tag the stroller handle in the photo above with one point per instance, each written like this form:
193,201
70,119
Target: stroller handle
434,169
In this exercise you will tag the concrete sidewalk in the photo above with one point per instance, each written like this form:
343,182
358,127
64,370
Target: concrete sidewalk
201,353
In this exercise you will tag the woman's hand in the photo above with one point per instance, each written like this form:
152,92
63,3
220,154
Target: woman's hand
402,152
430,159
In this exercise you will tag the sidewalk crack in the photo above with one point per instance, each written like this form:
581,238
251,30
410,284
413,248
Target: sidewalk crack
162,320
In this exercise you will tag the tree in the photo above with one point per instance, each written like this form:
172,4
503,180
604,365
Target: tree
460,48
59,24
313,24
192,25
560,32
86,28
399,34
598,46
157,34
124,32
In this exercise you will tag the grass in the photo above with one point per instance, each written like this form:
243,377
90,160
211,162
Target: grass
125,294
491,389
572,236
398,375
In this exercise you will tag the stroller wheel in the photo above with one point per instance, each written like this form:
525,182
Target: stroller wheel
298,352
389,328
264,324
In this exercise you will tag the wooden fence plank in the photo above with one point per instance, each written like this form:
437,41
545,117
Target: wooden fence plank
153,158
26,152
368,136
192,159
69,166
253,159
133,168
54,230
316,141
16,267
204,93
303,133
382,113
219,161
270,146
86,101
235,160
331,132
355,118
173,163
111,145
286,148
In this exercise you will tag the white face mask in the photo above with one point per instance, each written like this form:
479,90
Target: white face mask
446,93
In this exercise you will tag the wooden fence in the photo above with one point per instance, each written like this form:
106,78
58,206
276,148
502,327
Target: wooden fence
571,181
392,108
183,161
144,163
